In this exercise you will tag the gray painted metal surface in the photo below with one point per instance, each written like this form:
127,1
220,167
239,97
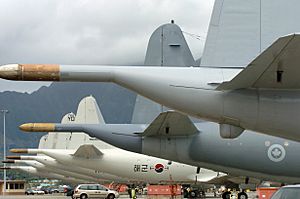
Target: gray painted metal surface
258,109
252,154
109,164
167,47
240,30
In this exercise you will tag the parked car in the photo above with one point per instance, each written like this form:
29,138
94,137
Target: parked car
84,191
29,192
47,190
33,192
38,192
287,192
54,190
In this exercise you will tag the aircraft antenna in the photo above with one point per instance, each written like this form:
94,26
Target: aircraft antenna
199,37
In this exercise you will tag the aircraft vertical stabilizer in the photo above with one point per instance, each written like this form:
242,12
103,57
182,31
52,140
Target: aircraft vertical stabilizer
88,112
57,140
166,47
240,30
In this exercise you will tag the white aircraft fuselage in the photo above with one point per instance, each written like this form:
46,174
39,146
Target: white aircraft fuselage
131,166
77,172
57,170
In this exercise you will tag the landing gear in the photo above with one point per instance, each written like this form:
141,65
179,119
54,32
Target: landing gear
242,195
226,195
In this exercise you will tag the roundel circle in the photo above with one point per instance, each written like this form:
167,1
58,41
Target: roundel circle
276,153
159,168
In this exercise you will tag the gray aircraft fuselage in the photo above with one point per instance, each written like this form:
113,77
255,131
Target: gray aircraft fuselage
188,90
251,154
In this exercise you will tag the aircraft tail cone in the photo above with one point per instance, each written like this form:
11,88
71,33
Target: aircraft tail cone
30,72
37,127
13,157
19,150
8,161
5,168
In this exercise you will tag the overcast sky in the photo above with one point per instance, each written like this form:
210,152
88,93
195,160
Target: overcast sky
91,31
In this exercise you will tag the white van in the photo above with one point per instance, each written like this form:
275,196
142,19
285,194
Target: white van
84,191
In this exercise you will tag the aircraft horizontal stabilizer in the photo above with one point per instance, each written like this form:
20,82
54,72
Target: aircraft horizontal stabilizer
88,151
171,123
278,67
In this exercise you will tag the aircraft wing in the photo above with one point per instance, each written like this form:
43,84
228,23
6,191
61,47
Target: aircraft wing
88,151
278,67
170,123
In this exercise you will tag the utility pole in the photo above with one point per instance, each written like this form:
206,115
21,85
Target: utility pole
4,112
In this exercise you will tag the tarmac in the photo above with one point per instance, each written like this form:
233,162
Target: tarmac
69,197
252,195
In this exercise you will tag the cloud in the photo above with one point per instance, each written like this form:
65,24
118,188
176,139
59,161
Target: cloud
93,31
